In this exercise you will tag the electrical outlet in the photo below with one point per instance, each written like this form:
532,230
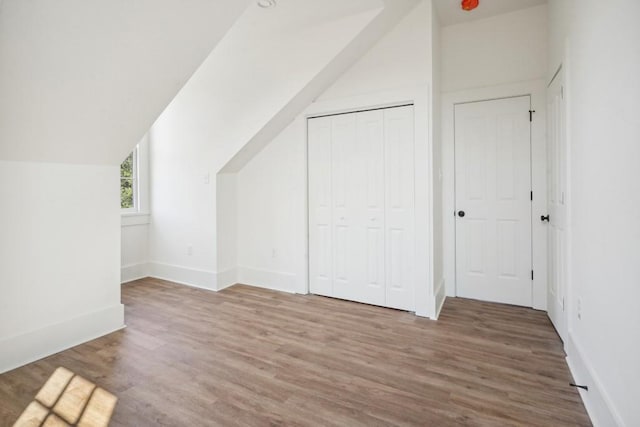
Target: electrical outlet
579,308
274,253
189,250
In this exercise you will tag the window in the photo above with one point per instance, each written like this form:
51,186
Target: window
129,182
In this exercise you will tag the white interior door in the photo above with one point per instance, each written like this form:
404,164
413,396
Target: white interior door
493,200
361,198
557,217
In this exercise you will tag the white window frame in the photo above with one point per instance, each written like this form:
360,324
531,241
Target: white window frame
134,184
140,215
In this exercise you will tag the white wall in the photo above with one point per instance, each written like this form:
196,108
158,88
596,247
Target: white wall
501,56
603,95
134,255
81,82
227,229
59,258
237,92
182,233
436,167
399,60
272,214
495,51
559,15
272,222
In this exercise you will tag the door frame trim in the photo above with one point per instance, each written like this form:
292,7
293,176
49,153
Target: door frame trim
536,89
419,96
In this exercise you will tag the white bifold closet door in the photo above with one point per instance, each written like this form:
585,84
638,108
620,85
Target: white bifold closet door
361,206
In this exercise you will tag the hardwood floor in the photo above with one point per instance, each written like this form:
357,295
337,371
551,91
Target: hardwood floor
253,357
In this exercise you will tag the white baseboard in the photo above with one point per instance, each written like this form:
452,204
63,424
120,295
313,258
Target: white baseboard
277,281
441,296
26,348
185,276
597,402
226,278
129,273
210,280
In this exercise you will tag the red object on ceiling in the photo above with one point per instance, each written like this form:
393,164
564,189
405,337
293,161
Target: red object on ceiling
469,4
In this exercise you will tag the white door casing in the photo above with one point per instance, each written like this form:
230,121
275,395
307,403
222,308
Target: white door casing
493,188
361,204
556,196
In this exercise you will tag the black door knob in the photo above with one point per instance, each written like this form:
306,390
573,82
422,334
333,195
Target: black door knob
460,214
544,218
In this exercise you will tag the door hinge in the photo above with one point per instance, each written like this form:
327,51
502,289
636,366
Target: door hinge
531,274
531,196
562,92
562,303
531,115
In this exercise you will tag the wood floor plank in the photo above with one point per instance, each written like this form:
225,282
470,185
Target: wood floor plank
53,388
54,421
33,416
249,356
75,397
99,409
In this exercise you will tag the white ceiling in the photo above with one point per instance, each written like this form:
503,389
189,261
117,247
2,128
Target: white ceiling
82,81
450,12
291,15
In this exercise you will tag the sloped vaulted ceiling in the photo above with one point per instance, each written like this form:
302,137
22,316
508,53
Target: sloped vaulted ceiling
387,15
81,81
268,68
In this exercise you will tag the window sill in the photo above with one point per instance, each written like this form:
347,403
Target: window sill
135,218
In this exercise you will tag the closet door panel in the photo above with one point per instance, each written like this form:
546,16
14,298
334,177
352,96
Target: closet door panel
400,197
347,241
370,173
320,205
361,207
